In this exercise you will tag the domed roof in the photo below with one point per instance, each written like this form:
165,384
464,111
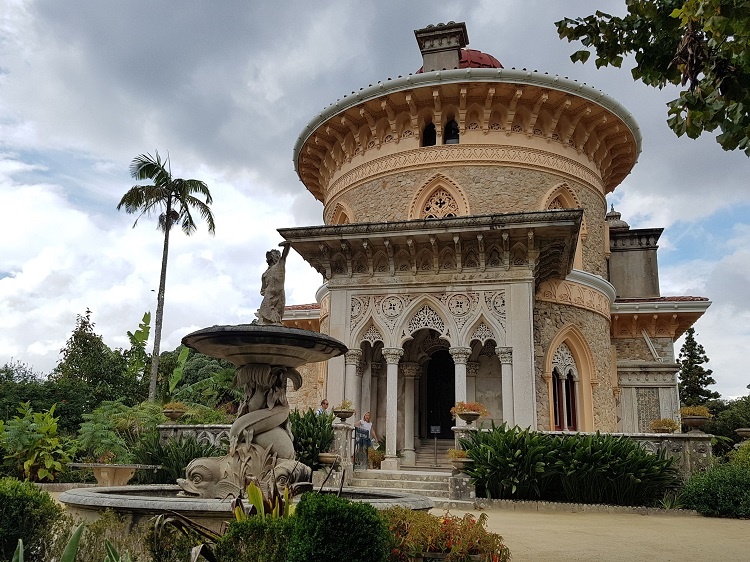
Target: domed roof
471,58
614,220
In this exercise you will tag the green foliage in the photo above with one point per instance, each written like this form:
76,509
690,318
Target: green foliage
741,455
313,434
694,378
205,415
701,43
256,540
26,513
520,464
137,356
174,456
332,528
87,359
510,463
178,370
208,381
612,470
721,491
734,416
113,429
32,447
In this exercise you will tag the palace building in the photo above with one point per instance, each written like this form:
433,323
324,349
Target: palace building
468,255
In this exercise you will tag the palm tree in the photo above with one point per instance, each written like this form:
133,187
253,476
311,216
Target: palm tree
173,199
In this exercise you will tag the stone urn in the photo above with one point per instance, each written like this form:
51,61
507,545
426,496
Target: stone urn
469,417
695,423
743,432
327,458
343,415
173,415
461,463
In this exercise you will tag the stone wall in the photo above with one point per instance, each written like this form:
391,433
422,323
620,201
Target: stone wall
487,189
636,349
312,390
549,319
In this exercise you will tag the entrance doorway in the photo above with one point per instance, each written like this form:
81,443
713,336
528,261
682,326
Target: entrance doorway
438,392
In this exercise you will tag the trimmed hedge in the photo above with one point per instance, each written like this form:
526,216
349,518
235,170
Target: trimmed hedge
256,539
332,528
27,513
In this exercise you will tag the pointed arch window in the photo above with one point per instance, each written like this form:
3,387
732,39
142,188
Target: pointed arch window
450,135
440,205
429,136
565,390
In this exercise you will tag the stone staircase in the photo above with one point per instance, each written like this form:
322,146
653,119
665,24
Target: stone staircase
423,478
433,484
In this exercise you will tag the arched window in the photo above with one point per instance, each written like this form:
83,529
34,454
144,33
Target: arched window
429,137
440,205
450,136
565,389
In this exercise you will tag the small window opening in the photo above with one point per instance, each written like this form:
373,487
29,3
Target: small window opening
429,137
451,132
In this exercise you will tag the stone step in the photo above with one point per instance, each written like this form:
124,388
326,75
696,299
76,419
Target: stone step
410,475
410,486
433,494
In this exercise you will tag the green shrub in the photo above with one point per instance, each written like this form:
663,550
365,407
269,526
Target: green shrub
313,434
32,447
611,470
332,528
174,456
256,540
510,463
741,455
521,464
721,491
26,513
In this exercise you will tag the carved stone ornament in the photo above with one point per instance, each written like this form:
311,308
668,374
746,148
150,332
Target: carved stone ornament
482,333
564,362
505,354
426,317
460,355
495,302
372,335
392,355
353,357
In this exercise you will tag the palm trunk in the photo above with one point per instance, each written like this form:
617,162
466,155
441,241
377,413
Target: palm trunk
159,310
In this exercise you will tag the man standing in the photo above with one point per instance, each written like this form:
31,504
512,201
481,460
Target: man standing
323,408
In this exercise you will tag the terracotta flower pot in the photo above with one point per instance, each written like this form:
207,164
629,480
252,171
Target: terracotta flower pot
695,423
469,417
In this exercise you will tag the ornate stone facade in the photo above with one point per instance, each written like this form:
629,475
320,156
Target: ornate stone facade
466,237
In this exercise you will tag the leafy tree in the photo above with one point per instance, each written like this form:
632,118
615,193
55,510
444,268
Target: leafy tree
87,359
694,378
173,198
704,44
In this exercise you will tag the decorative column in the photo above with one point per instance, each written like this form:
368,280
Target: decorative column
392,357
375,369
366,382
409,372
472,370
460,357
505,354
563,407
352,359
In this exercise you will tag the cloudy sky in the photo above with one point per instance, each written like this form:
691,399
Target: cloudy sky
225,88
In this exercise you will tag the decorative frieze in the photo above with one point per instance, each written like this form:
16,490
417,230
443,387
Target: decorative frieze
575,294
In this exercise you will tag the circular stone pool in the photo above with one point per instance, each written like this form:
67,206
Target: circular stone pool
140,503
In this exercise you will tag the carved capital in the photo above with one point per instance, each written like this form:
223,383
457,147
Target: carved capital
505,354
375,369
460,354
353,357
392,355
472,369
410,370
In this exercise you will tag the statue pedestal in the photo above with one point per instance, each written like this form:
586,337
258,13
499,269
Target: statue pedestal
342,443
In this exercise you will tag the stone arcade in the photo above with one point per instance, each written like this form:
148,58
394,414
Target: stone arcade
468,254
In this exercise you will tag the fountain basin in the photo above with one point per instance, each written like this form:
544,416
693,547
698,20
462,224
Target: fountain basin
272,345
138,504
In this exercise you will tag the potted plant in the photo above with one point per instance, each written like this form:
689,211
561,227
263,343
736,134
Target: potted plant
695,417
375,457
344,411
664,425
174,410
459,459
469,411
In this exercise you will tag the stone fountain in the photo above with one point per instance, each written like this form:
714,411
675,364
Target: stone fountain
266,354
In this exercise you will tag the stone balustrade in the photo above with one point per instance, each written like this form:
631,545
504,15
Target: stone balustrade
215,434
